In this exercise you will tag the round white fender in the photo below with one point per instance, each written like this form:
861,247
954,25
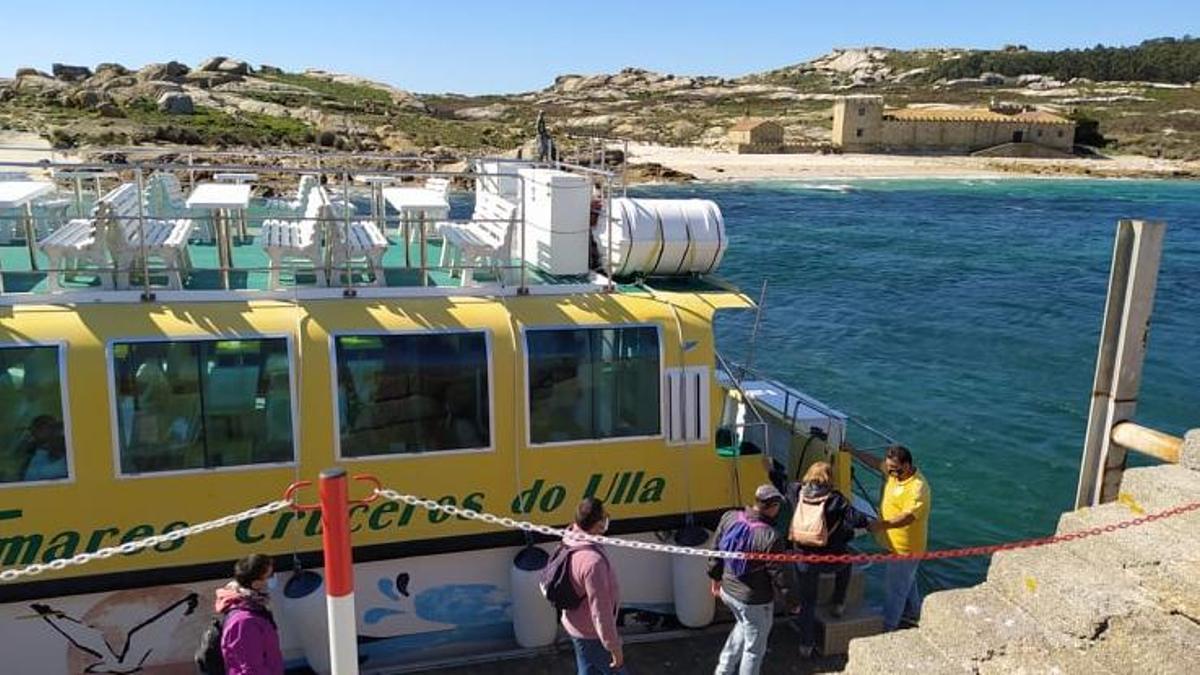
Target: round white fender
303,605
694,605
535,621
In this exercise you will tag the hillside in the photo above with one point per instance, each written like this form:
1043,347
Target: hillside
1145,99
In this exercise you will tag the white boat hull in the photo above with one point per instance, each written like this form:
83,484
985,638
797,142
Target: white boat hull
407,611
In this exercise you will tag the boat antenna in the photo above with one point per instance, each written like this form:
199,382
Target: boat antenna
749,363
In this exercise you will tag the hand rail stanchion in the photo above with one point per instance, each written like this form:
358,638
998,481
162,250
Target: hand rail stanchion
524,288
339,571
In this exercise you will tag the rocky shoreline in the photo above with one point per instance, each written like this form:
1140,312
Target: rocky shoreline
225,102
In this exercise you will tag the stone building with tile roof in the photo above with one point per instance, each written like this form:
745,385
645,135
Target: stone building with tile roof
863,124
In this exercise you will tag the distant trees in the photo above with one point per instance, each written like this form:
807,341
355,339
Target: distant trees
1164,59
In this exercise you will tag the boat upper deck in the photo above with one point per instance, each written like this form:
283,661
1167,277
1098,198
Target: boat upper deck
308,226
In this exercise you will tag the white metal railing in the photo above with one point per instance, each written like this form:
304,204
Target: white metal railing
70,177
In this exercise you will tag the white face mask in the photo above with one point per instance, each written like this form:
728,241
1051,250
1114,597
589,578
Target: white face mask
604,527
272,583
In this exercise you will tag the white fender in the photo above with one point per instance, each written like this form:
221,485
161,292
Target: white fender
535,621
303,606
694,603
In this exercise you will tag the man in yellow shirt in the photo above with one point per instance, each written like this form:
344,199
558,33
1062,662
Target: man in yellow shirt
903,528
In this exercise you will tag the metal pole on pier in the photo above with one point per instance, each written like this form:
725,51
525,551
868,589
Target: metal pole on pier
1123,336
339,571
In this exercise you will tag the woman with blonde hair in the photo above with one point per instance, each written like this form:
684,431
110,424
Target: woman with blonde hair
822,523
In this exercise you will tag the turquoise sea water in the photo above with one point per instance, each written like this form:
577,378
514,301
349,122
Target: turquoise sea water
962,317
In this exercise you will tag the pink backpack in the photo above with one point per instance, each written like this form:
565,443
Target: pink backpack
808,526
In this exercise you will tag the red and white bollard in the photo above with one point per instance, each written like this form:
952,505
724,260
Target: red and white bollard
339,572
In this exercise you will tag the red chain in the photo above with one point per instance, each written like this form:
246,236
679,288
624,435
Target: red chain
970,551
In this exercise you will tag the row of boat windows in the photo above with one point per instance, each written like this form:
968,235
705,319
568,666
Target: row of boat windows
202,404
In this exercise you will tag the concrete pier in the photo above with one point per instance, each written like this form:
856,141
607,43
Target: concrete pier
1122,602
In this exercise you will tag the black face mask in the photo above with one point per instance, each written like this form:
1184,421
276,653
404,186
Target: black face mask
770,519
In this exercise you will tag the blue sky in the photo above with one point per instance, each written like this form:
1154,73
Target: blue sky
510,45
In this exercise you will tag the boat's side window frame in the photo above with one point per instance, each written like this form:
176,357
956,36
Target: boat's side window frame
335,402
527,402
60,357
114,419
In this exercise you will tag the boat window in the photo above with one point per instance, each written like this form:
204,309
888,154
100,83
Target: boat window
593,383
32,437
400,394
202,404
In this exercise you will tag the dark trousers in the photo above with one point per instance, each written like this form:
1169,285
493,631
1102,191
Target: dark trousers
809,575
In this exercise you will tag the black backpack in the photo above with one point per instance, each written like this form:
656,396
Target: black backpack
208,655
555,580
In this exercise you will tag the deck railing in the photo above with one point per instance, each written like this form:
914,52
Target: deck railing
84,183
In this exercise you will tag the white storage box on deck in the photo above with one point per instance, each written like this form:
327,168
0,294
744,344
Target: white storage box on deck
557,218
663,236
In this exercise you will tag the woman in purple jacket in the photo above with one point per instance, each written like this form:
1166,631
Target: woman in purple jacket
249,641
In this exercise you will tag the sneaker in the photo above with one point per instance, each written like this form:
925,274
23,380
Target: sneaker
806,651
838,610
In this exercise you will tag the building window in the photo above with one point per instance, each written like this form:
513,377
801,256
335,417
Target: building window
31,416
593,383
202,404
1039,133
862,110
858,133
1060,133
407,394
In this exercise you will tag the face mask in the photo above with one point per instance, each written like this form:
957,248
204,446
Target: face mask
604,527
272,583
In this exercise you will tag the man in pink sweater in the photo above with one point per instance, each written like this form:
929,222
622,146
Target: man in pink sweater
593,624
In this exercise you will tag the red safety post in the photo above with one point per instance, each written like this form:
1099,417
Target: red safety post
339,571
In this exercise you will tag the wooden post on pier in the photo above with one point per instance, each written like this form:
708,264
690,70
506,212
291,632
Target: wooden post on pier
1123,336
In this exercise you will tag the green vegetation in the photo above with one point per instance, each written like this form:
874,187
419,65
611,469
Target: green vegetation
1158,60
901,61
346,94
207,126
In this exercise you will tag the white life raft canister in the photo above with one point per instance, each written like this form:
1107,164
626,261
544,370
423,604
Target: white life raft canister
662,236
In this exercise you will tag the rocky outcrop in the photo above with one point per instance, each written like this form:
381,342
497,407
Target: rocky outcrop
207,79
70,73
115,69
30,81
176,103
495,111
150,90
172,71
224,64
83,98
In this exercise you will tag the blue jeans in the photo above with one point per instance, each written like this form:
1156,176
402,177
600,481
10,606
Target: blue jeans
591,658
746,647
901,594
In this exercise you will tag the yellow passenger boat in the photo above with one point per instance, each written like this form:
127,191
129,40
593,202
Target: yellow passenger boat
167,360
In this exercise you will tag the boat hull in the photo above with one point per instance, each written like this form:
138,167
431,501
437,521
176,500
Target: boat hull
408,610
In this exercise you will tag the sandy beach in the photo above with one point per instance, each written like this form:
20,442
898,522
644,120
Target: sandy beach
716,165
20,146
